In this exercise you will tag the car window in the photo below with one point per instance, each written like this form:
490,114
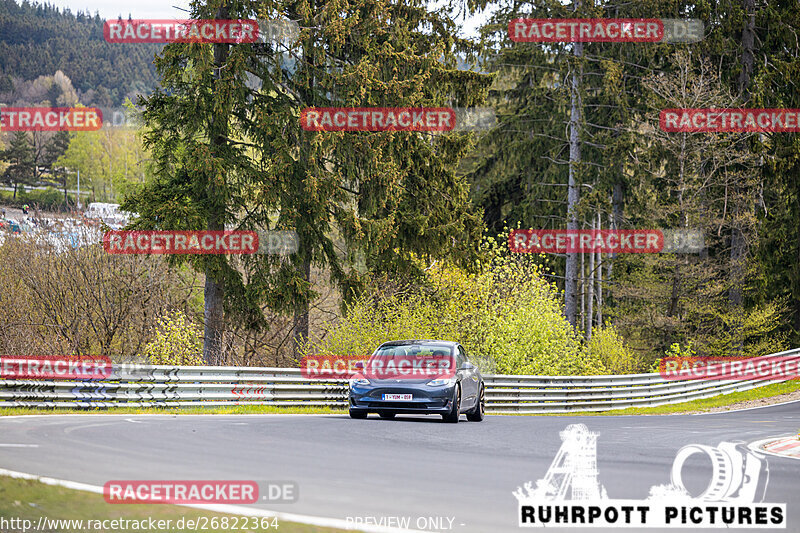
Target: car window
460,358
464,353
413,349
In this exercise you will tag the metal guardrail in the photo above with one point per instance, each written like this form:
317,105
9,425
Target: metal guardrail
202,386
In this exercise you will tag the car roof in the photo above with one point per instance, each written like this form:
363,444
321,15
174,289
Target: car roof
418,341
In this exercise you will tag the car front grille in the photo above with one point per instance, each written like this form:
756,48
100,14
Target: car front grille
399,405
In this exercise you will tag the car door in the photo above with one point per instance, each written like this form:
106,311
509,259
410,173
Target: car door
469,379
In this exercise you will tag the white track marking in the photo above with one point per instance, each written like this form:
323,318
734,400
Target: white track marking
228,509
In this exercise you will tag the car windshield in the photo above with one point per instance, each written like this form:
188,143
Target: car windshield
417,350
411,361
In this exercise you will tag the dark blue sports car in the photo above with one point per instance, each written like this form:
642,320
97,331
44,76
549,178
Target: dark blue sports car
418,377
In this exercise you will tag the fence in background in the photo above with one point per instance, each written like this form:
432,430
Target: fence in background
164,386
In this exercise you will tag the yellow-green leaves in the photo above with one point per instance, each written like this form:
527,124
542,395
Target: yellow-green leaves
176,342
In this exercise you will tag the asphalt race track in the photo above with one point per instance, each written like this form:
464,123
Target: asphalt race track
408,467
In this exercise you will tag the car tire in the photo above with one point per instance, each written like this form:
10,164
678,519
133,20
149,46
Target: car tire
386,415
358,414
455,411
477,413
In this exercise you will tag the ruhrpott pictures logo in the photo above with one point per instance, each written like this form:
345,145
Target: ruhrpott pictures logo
570,495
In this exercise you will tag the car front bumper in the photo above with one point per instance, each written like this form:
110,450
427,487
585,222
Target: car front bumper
425,399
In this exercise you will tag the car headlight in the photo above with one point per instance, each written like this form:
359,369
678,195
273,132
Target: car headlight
440,382
359,381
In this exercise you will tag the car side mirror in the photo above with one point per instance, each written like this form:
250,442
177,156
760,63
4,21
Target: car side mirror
359,365
467,366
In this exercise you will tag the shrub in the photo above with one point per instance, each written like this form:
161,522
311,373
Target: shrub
507,317
675,350
64,300
49,199
618,358
43,198
177,342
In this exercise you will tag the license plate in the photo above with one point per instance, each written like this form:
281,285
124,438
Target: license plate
401,397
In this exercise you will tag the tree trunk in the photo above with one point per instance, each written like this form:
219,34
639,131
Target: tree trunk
748,45
590,296
738,244
300,328
214,293
300,331
615,219
573,188
795,273
582,286
599,321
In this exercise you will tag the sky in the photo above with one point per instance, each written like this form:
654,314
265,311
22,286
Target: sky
111,9
169,9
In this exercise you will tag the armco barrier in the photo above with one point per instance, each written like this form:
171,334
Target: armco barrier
163,386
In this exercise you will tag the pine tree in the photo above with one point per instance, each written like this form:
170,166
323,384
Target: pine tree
19,156
229,154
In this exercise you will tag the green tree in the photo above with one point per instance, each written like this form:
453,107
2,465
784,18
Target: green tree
226,154
19,156
776,68
57,147
560,157
84,154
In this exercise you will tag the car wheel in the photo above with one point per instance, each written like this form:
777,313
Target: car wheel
387,415
358,414
455,411
477,413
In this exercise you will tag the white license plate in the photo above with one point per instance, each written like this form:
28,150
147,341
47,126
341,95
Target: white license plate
401,397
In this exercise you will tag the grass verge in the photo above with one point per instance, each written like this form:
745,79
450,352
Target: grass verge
22,499
732,400
232,410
